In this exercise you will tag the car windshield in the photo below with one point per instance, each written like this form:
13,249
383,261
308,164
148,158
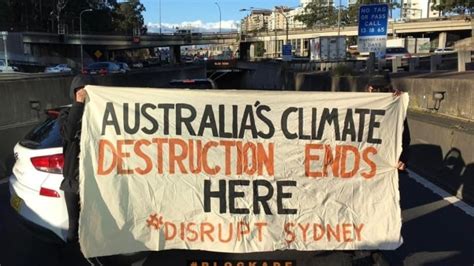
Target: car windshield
43,136
99,65
192,84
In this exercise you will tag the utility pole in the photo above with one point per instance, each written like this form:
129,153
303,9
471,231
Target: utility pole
428,9
339,19
276,43
80,36
287,24
160,17
220,17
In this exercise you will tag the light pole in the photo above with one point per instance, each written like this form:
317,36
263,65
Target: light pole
246,19
160,17
220,17
339,20
80,36
286,19
4,37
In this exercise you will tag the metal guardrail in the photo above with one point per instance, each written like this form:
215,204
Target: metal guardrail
21,75
428,62
356,65
325,28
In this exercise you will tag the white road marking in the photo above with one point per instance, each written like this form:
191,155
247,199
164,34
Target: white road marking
468,209
3,181
419,211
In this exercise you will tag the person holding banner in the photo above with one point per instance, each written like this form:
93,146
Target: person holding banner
70,123
382,84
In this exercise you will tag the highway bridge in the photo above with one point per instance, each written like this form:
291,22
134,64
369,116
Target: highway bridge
48,48
433,29
118,42
397,28
38,45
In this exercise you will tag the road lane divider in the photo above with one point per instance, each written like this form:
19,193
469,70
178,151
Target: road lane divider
468,209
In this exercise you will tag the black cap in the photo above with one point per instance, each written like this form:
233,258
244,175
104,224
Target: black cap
380,83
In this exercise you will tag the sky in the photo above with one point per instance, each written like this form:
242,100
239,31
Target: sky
203,14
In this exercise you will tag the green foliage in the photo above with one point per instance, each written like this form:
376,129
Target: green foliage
454,6
44,15
318,13
259,49
128,16
4,11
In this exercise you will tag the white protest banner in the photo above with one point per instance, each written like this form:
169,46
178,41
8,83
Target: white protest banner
239,171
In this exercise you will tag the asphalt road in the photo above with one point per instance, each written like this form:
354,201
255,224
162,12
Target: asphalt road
435,232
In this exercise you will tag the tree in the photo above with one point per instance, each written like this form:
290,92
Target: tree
318,13
97,21
454,6
259,49
353,10
25,14
128,17
45,15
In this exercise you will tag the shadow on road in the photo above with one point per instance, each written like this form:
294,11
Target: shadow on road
434,232
450,171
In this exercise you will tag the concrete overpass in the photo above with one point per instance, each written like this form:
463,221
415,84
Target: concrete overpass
48,48
435,28
52,48
118,42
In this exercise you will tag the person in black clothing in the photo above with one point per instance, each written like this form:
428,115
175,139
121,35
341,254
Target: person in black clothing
382,84
70,123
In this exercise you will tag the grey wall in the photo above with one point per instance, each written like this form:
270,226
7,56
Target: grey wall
264,76
458,100
323,81
442,149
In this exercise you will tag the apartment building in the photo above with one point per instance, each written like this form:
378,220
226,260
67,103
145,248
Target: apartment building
278,18
264,19
416,9
257,20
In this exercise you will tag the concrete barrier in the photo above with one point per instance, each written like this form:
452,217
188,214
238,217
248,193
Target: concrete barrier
457,101
458,95
442,149
323,81
464,57
22,102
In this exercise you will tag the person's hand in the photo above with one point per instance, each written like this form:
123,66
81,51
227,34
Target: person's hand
401,166
397,92
81,95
